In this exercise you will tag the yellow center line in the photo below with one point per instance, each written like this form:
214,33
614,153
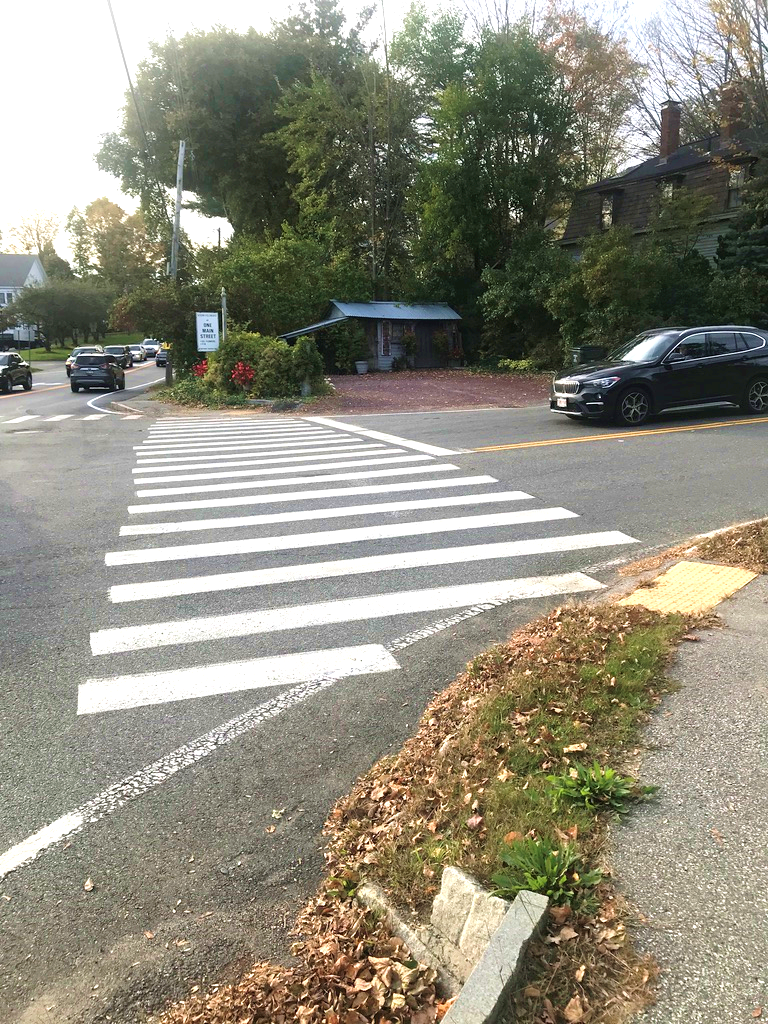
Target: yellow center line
617,436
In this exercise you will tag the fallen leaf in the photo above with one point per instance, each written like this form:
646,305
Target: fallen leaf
560,914
475,822
270,828
574,748
88,885
567,933
581,971
512,837
574,1011
278,812
531,992
691,637
718,836
148,934
757,1012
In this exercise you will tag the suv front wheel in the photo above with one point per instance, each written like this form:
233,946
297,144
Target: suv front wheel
633,407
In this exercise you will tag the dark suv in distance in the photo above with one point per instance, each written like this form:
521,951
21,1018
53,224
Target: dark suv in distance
14,370
668,368
97,371
122,354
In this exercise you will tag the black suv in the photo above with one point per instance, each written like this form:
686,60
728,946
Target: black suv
14,370
122,354
97,371
669,369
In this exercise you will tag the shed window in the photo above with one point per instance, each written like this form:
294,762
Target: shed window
606,211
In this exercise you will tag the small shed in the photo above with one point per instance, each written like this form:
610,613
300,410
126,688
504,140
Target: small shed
386,324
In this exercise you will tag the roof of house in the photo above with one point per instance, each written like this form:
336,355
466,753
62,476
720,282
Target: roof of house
341,311
397,310
14,269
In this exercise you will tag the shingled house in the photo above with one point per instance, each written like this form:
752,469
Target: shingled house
716,166
385,324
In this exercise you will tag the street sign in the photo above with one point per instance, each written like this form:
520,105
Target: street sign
207,332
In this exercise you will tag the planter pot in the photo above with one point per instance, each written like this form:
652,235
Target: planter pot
361,366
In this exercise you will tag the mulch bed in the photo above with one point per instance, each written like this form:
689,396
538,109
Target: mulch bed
422,390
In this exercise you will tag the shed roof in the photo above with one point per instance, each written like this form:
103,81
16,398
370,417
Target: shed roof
397,310
14,269
314,327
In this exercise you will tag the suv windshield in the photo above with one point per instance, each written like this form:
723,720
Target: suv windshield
115,349
645,348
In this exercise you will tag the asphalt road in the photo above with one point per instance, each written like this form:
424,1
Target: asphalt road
293,663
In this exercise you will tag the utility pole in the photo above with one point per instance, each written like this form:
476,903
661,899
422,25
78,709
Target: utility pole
177,212
175,245
223,314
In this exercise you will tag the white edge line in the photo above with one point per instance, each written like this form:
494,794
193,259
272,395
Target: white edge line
417,446
128,789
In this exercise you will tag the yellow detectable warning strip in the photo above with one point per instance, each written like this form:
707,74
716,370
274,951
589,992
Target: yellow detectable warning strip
690,588
618,436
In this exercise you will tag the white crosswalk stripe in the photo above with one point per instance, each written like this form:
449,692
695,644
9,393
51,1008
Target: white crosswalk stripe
315,478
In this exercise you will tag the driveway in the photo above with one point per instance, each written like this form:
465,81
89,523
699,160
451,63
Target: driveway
417,390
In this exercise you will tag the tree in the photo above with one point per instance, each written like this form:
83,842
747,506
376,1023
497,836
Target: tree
273,288
502,163
354,149
745,245
220,91
599,71
34,234
64,309
163,310
114,246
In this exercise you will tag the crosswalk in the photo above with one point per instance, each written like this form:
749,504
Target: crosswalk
269,553
27,418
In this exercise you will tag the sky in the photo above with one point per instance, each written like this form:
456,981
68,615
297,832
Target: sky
63,83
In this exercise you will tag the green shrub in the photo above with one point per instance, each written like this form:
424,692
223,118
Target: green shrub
190,390
275,371
597,788
539,866
516,366
240,346
307,362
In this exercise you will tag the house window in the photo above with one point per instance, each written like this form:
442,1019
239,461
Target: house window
606,211
736,178
386,338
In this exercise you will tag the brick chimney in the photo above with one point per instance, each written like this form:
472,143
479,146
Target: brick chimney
731,113
670,128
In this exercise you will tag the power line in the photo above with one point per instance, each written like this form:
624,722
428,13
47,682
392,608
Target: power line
134,96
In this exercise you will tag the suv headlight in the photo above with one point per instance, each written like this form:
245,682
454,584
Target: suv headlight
604,383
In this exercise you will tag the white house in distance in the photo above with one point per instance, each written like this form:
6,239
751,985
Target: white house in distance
17,272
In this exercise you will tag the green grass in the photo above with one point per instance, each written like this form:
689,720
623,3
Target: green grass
59,353
578,694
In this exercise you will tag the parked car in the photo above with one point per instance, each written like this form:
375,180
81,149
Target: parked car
122,354
90,349
150,346
138,352
668,369
97,371
161,358
14,370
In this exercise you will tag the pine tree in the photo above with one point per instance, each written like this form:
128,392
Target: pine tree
745,244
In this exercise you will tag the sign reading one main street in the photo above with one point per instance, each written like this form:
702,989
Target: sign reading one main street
207,332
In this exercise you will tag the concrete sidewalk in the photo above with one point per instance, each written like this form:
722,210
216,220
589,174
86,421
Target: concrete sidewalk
694,862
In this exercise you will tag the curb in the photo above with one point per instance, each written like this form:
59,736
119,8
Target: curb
486,992
488,978
124,407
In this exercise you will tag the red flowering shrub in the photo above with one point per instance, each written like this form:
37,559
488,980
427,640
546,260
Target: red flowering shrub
200,369
243,374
